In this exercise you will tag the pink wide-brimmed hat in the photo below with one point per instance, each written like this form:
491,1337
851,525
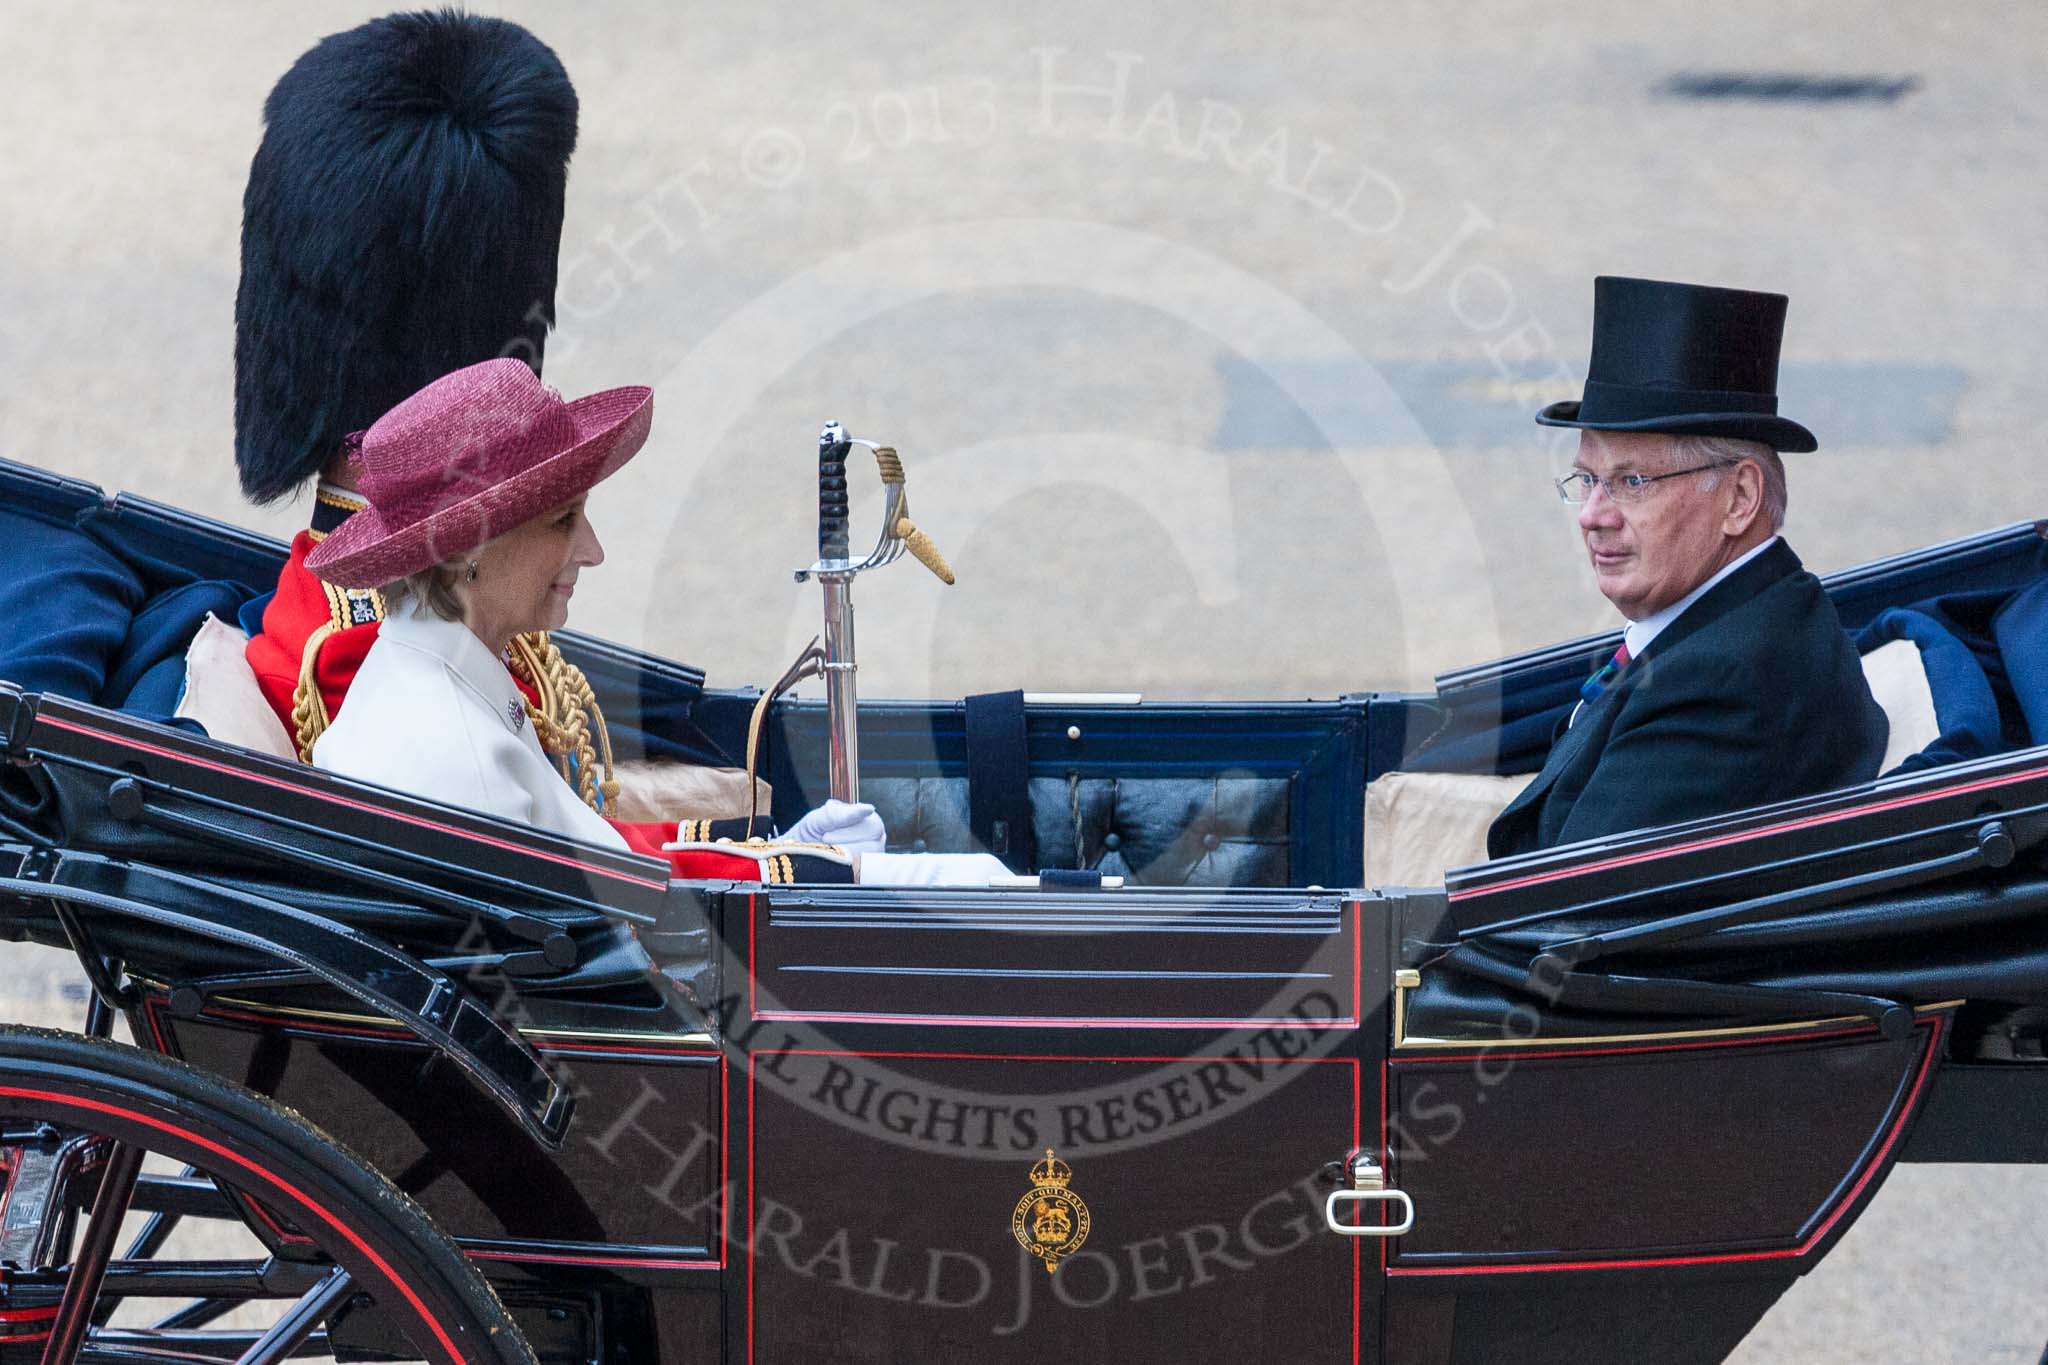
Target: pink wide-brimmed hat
469,457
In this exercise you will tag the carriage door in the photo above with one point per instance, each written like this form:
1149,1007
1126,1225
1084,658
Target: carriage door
1036,1126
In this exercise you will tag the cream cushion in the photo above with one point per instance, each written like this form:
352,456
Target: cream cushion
1899,682
655,790
1419,824
222,695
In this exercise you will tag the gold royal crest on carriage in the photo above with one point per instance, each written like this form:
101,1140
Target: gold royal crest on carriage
1050,1221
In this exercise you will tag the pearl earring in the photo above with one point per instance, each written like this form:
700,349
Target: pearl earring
470,577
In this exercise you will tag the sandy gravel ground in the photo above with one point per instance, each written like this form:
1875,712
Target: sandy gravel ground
1210,334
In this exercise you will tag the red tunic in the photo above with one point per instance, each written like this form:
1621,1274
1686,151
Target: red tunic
301,605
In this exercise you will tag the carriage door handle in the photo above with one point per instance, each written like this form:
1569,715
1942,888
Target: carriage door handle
1368,1186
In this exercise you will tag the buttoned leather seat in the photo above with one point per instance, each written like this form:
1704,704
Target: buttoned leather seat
1152,831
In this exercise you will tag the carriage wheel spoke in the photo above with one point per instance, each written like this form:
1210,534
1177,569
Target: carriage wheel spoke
89,1266
158,1229
148,1242
300,1320
80,1121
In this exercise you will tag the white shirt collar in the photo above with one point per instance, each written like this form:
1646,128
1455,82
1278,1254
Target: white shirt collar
1638,634
467,657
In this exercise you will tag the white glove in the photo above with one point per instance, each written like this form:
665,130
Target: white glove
851,825
929,869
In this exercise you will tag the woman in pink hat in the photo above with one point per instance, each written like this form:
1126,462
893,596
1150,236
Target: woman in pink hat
476,533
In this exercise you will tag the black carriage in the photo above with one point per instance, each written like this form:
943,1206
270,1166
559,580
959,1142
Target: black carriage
466,1091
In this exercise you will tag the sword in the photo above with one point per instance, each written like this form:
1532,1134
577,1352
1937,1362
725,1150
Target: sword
835,570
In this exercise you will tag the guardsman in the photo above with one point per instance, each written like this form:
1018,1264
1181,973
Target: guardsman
402,220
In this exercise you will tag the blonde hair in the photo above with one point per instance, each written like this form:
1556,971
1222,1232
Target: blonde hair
432,588
1694,452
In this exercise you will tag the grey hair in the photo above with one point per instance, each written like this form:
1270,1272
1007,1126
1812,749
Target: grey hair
433,588
1696,451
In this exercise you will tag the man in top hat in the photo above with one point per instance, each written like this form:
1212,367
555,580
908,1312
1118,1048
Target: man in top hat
1735,684
402,220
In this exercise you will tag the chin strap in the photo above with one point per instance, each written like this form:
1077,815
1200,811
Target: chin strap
567,718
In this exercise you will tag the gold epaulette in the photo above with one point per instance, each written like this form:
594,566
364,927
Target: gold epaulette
352,606
345,608
568,722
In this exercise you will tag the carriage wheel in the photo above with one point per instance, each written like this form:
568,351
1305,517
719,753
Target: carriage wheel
111,1157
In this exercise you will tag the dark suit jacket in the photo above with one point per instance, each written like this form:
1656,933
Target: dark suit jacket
1754,694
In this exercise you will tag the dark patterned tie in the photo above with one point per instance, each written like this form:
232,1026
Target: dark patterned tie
1592,687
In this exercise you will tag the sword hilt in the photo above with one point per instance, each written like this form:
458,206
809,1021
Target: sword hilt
833,512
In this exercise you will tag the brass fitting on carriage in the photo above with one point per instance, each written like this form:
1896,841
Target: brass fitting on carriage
835,571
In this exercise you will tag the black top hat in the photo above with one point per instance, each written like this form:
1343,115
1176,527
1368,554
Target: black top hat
1687,359
403,219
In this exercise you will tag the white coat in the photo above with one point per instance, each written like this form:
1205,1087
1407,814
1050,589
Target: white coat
433,713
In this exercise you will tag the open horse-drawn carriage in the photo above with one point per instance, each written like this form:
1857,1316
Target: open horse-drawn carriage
466,1091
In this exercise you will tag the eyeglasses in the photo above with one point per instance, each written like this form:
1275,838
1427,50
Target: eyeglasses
1577,486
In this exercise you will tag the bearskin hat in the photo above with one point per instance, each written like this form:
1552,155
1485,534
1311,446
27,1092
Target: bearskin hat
402,220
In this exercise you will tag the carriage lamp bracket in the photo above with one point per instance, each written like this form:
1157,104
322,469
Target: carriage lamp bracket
32,1229
1368,1186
